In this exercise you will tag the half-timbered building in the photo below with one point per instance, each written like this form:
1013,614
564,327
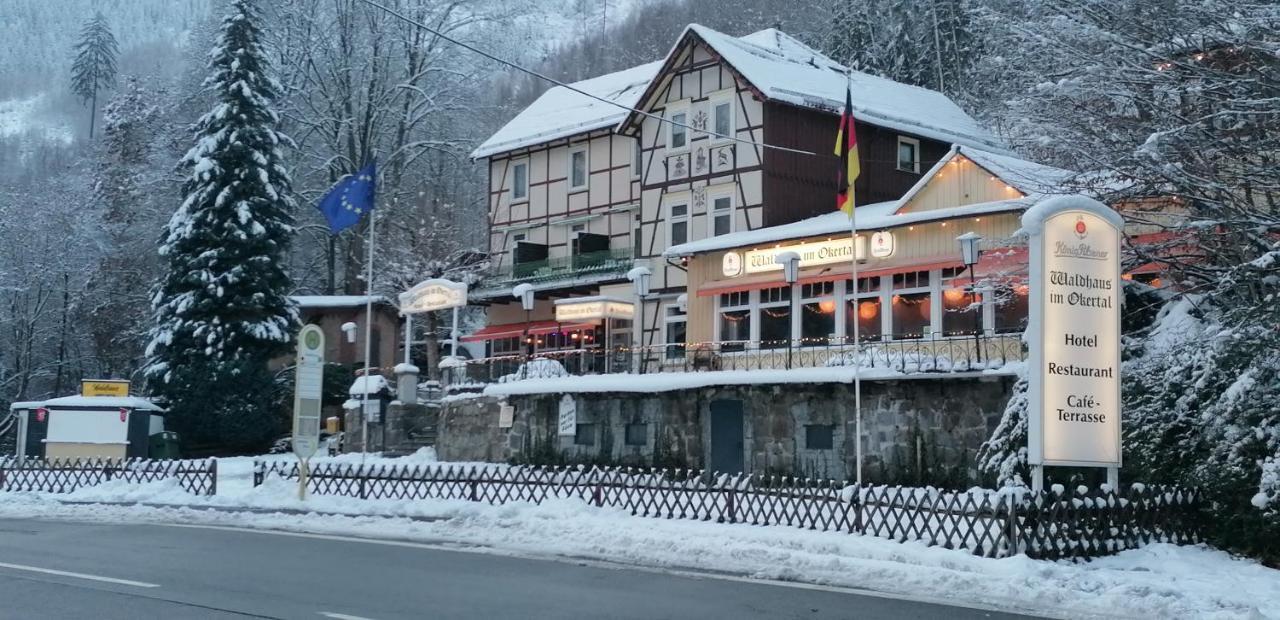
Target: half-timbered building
727,135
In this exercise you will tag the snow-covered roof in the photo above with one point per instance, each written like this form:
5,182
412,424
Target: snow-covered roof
106,402
569,301
784,69
561,112
336,301
780,66
875,216
1025,176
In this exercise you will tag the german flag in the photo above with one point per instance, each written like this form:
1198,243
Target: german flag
847,151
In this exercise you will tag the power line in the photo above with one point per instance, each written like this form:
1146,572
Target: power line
547,78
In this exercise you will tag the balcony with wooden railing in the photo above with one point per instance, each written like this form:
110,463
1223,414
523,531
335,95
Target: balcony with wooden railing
602,265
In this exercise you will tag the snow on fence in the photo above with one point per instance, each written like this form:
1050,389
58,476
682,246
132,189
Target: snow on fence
1051,525
67,475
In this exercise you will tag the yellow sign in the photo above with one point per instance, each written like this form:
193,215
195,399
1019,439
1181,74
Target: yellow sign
104,387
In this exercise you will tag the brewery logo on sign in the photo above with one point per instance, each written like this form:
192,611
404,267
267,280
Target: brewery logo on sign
1082,231
882,244
731,264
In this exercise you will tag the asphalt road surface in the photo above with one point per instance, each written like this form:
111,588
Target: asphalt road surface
56,569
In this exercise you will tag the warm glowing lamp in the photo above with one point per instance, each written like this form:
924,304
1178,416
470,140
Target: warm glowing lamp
867,310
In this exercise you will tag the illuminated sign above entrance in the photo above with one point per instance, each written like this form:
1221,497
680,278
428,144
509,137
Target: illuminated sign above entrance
816,253
593,309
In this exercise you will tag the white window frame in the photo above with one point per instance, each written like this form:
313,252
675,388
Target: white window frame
934,290
797,318
586,168
758,306
515,164
637,160
882,293
714,100
752,306
915,168
637,236
712,196
672,219
672,313
680,107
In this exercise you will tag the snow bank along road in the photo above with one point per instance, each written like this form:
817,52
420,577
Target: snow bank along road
62,569
1156,581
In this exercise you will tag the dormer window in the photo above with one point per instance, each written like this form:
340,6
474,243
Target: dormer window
908,154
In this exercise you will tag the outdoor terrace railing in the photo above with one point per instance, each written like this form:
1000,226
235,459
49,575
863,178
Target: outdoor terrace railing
67,475
919,355
1054,524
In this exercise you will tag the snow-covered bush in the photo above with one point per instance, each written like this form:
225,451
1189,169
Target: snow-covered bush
1203,410
902,361
539,368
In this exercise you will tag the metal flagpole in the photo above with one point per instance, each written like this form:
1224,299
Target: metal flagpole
857,341
857,318
368,336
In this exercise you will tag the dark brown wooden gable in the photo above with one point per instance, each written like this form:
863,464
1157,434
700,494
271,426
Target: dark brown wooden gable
798,186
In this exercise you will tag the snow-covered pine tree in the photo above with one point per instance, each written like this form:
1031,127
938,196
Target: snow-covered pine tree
222,309
1003,456
94,67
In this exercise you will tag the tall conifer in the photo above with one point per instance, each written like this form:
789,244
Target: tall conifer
222,309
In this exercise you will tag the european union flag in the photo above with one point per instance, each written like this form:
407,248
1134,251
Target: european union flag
350,199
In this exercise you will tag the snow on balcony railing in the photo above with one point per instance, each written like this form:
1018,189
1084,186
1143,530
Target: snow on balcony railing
919,355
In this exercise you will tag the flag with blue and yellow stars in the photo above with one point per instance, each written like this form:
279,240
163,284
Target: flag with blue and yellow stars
350,199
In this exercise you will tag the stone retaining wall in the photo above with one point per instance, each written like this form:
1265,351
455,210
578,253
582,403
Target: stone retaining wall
916,429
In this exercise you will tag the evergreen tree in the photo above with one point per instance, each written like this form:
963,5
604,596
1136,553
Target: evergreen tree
222,309
94,67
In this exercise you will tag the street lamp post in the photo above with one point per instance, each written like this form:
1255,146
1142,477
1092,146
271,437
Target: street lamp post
790,262
969,252
524,292
639,277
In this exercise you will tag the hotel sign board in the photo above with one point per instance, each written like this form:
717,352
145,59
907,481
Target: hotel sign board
431,295
838,250
1074,333
593,309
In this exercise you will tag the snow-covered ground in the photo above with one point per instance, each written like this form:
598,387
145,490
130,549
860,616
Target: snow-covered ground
18,116
1157,581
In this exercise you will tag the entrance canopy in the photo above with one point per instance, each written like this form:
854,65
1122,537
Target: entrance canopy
514,330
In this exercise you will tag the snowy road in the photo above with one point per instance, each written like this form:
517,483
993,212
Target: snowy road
60,569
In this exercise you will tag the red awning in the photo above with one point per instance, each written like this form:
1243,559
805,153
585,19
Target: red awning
842,272
511,330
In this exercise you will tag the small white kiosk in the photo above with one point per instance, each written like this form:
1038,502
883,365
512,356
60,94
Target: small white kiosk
112,427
